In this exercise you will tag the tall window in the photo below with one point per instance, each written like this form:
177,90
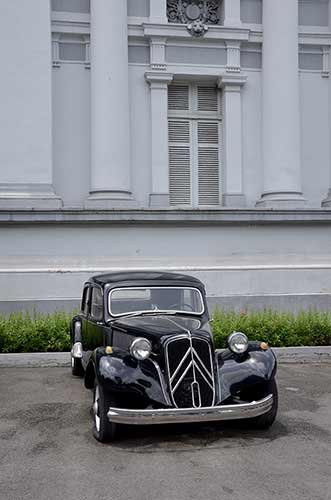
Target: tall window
194,112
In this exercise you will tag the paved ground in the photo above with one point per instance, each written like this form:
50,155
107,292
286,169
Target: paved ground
47,450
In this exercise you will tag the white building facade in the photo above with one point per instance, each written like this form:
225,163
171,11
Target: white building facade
180,135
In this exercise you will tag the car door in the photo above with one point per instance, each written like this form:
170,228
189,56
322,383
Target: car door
85,312
95,323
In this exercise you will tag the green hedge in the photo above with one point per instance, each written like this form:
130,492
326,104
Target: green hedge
279,329
36,332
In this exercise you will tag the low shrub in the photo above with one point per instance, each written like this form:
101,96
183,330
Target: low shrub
37,332
279,329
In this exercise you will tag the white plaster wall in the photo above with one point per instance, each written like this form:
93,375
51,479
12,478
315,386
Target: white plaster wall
140,123
25,92
314,137
231,260
313,12
71,132
87,242
252,137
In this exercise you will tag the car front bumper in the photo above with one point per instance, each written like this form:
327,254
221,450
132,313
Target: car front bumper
186,415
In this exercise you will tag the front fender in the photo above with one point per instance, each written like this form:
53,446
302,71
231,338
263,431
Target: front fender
119,372
241,373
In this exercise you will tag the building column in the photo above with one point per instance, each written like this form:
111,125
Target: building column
281,115
110,113
231,85
26,178
159,82
326,203
231,13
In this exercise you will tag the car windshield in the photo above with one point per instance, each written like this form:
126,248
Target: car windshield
123,301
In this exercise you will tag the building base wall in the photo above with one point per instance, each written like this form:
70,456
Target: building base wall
239,303
283,264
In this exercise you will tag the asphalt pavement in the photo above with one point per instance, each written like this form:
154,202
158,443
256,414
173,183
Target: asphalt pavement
47,451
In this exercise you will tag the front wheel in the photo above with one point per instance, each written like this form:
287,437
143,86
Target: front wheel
103,430
267,419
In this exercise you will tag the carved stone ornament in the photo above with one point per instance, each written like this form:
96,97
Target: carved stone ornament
197,14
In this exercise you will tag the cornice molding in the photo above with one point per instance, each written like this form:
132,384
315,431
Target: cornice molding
168,216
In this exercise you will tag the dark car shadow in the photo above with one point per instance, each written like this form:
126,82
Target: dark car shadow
185,437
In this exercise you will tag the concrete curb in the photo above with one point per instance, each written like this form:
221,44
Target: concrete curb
58,359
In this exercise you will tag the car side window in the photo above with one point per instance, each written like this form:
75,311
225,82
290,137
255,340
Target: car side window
97,304
85,300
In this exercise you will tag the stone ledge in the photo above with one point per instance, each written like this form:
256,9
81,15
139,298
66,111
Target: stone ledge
168,216
62,359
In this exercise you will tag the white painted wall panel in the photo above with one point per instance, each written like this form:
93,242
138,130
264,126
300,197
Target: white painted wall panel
313,12
140,123
82,6
138,8
25,96
252,137
71,132
243,260
251,11
314,137
156,242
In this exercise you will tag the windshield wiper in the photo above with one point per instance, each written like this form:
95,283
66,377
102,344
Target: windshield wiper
147,313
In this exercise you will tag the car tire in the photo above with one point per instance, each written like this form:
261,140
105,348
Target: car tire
103,430
267,419
76,367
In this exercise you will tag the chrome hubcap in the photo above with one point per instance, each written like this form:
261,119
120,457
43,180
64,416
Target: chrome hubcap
96,408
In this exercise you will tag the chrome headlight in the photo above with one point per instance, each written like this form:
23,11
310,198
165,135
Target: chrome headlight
238,342
140,348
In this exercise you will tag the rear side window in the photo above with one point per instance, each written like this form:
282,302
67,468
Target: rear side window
85,300
97,304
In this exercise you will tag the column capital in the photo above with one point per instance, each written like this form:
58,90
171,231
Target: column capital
233,56
158,79
157,52
231,83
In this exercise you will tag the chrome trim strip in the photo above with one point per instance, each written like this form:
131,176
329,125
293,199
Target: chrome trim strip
186,415
180,364
164,390
159,311
173,390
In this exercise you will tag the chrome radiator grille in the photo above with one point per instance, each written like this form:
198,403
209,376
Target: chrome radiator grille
189,362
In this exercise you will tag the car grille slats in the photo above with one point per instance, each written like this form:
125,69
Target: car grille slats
190,371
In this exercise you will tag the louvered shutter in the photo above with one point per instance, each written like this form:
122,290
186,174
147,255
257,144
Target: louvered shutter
178,97
207,99
194,143
208,162
179,162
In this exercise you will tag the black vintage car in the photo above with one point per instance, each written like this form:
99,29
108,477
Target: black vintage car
144,345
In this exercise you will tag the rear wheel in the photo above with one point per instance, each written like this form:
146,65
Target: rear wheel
103,430
267,419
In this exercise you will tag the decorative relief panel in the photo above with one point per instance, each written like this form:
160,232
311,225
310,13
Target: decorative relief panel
197,14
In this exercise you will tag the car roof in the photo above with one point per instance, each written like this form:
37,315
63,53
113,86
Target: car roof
150,276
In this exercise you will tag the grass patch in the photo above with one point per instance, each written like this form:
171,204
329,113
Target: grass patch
37,332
